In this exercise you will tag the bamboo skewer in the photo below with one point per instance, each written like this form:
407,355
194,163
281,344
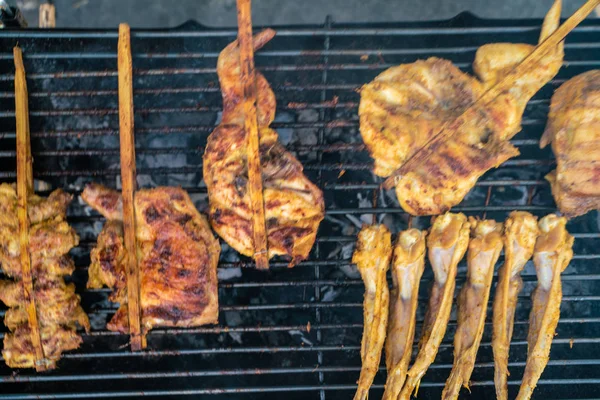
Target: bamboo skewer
450,128
255,186
128,184
24,189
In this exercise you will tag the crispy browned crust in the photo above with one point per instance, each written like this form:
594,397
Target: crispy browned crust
178,257
294,206
573,129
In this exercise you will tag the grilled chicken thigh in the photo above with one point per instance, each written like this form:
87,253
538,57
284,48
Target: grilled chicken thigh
484,250
177,257
520,233
553,252
408,263
447,243
405,106
294,206
372,257
57,305
574,131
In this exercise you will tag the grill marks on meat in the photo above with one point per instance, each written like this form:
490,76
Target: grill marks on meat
405,106
57,304
177,256
573,129
294,206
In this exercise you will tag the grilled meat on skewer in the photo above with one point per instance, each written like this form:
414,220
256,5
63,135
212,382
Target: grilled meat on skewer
484,250
405,106
553,252
408,263
294,206
520,233
447,243
573,129
177,257
372,257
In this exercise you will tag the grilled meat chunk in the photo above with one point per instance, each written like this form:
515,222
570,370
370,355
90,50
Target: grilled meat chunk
484,250
520,233
57,305
553,253
405,106
372,257
177,256
294,206
447,243
573,129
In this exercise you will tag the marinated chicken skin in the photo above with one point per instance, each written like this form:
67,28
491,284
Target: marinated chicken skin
408,263
177,256
406,105
372,257
552,255
57,305
574,131
520,233
447,243
294,206
484,250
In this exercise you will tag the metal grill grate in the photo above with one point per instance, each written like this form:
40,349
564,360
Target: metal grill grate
295,331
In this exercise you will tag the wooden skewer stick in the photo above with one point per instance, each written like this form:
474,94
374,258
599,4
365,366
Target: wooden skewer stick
24,189
128,184
450,128
255,186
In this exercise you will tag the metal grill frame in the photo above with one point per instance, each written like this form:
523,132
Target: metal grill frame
324,362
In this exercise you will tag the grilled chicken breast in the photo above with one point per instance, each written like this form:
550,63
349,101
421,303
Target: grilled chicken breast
177,257
294,206
484,250
552,255
405,106
574,131
520,233
57,305
408,263
372,257
447,244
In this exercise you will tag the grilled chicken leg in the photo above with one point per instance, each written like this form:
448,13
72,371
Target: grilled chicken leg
553,252
408,264
372,257
484,250
447,243
520,232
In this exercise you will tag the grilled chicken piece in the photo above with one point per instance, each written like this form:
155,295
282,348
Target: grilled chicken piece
553,252
408,263
447,244
484,250
294,206
57,305
573,126
372,257
177,256
520,233
405,106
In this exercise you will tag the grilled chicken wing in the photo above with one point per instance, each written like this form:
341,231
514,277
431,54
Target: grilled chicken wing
573,126
57,306
553,252
520,233
294,206
408,263
447,243
484,250
404,106
372,257
177,256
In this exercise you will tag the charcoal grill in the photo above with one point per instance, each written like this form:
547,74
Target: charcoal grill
285,332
